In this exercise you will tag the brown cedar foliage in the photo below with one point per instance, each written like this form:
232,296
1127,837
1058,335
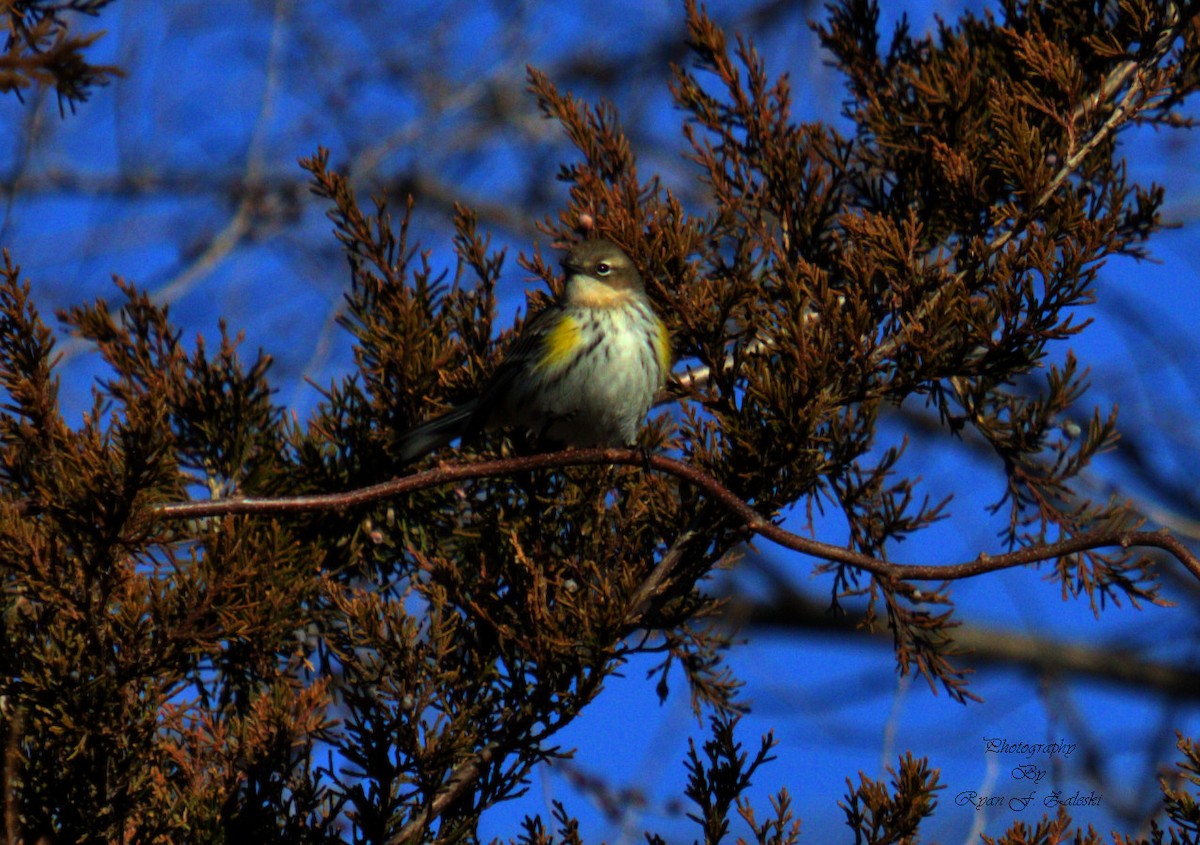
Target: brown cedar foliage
39,49
172,680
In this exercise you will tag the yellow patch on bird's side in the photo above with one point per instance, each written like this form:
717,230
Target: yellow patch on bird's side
662,346
561,342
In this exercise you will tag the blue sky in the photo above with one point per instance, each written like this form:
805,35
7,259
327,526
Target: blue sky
217,92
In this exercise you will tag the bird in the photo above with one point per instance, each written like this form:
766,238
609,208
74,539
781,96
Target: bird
582,372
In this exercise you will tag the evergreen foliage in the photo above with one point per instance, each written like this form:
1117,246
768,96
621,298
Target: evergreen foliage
385,670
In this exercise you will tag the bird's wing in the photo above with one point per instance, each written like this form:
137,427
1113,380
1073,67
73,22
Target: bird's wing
525,347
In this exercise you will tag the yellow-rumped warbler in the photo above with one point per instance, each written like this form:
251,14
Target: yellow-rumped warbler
583,372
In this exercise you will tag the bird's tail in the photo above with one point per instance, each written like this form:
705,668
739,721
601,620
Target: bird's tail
434,434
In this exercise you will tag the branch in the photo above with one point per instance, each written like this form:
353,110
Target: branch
653,586
249,211
752,520
461,778
791,610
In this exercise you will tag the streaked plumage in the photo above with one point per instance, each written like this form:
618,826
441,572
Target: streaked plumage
583,372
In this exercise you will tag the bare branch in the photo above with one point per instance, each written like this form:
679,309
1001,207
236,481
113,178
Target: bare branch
788,609
753,520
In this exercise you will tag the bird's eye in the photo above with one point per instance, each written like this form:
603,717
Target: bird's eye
603,268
